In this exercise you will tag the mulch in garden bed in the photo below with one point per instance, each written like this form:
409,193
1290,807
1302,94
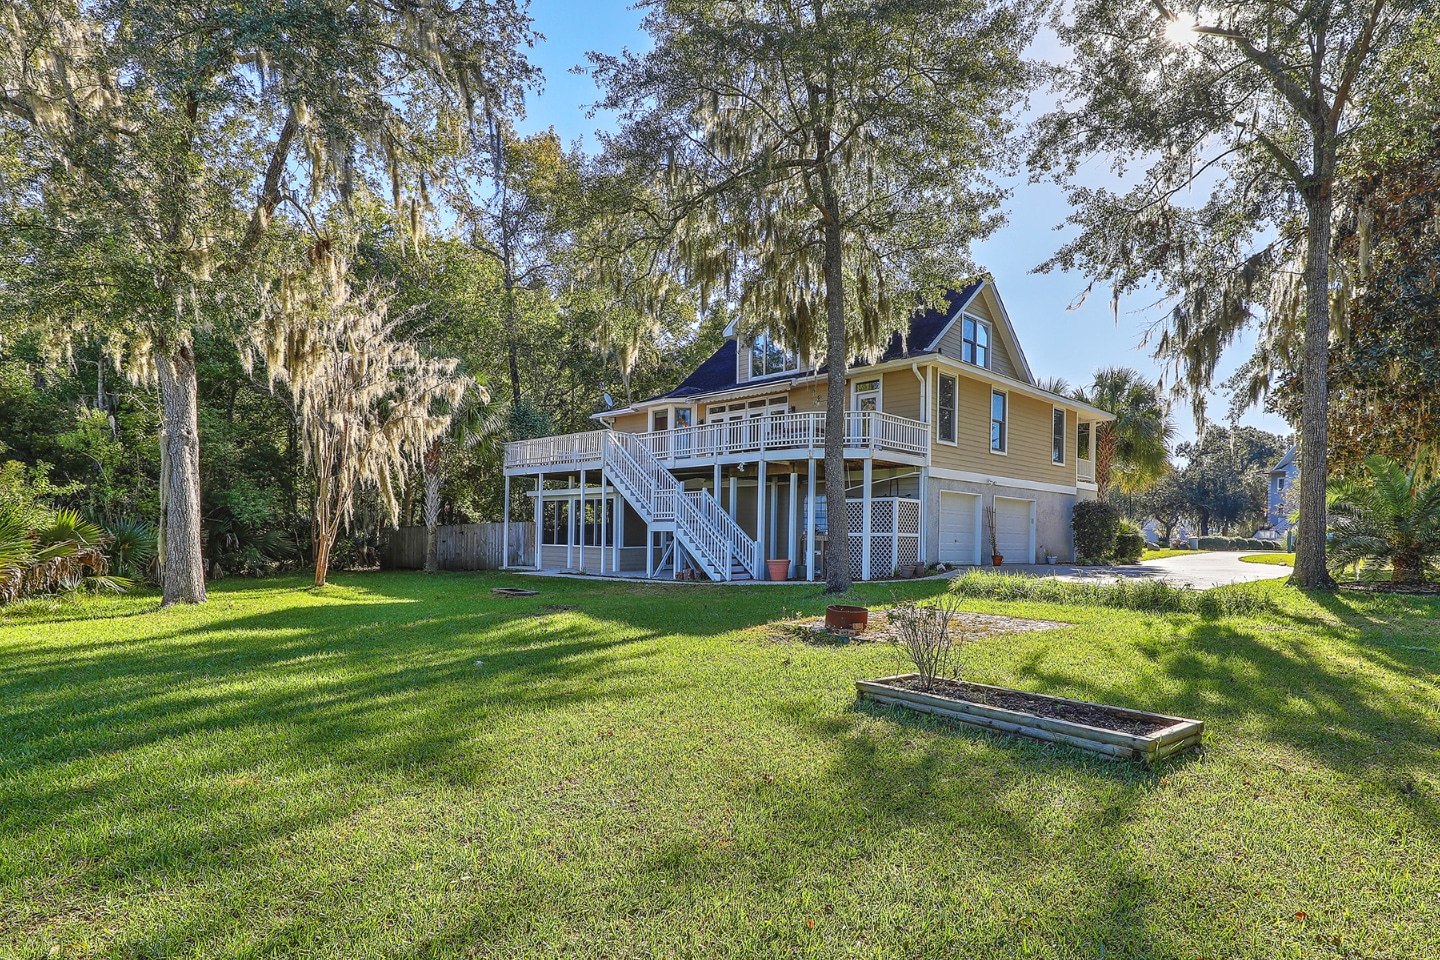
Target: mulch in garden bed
1072,711
1426,589
970,626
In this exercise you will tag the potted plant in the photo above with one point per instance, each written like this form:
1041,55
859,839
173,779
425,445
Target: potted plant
1050,558
995,558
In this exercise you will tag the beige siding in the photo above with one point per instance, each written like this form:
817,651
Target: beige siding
901,394
1028,453
632,422
1000,360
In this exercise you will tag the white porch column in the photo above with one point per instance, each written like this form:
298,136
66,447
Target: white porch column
717,485
810,522
505,528
1093,431
774,515
866,473
649,551
764,551
569,532
580,522
792,513
924,517
604,510
618,534
539,514
734,495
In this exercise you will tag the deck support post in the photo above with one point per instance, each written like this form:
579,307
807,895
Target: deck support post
581,524
790,541
539,514
734,495
764,552
810,552
717,484
649,551
604,510
867,473
924,518
505,528
617,535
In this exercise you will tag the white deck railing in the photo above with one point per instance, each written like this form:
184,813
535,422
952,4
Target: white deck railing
555,451
1085,471
867,430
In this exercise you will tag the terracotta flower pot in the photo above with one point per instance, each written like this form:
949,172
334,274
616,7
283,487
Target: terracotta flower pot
778,569
996,559
839,616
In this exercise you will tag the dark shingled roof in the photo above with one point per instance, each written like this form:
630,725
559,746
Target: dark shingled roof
719,373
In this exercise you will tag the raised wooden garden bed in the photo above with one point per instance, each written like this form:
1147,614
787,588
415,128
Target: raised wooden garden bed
1109,731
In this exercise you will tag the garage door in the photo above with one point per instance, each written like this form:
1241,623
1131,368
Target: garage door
959,540
1012,529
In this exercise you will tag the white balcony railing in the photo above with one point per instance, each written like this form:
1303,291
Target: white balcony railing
867,429
864,430
1085,471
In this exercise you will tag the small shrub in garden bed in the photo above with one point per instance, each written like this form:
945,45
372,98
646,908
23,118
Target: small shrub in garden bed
1151,596
1096,525
1129,544
1237,543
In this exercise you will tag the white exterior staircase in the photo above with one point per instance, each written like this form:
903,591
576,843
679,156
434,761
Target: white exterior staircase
711,536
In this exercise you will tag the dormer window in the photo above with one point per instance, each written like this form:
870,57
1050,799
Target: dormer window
767,357
975,342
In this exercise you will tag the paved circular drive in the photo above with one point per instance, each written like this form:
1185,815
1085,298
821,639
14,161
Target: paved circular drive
1199,570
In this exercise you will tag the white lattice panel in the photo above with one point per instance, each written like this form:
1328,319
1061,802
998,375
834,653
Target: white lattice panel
909,518
882,516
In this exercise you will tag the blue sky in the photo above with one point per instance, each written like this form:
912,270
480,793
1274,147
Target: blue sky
1057,342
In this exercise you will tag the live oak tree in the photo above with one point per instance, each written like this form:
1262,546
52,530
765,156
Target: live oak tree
822,164
1256,102
163,138
370,406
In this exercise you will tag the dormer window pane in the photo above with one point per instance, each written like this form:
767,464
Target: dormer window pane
975,342
768,357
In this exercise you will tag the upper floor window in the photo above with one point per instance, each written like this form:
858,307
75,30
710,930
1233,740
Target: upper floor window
975,342
947,397
767,357
998,429
1057,445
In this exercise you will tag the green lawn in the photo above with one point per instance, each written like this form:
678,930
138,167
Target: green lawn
1161,553
404,766
1277,559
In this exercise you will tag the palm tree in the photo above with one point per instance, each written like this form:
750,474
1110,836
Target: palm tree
1391,517
471,422
1136,444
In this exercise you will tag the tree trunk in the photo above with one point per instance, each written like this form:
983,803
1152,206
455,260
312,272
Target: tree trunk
1310,570
432,507
837,356
1407,568
1105,443
182,565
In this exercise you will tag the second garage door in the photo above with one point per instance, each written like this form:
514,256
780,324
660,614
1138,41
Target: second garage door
1012,529
959,528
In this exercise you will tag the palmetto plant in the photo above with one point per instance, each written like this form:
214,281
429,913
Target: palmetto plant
1389,517
65,555
132,548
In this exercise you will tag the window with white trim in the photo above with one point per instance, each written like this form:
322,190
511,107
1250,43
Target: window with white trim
948,397
1057,444
998,428
975,342
866,395
768,357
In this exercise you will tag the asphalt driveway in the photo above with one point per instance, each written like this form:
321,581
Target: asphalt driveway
1200,570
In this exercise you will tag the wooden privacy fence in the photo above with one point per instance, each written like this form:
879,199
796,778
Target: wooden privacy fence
462,546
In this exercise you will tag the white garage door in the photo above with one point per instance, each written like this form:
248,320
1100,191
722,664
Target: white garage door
959,541
1012,529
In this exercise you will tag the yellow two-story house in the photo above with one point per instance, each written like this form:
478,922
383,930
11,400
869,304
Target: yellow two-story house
726,471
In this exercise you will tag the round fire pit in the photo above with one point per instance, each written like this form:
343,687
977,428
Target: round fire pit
839,616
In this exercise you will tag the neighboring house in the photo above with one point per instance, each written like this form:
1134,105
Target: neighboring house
1153,530
726,471
1283,477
